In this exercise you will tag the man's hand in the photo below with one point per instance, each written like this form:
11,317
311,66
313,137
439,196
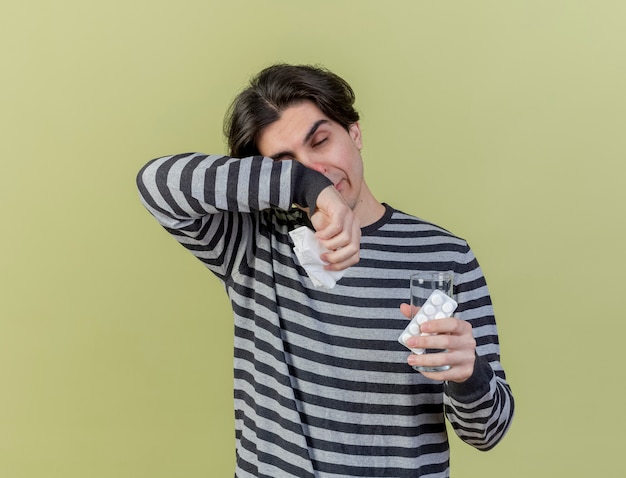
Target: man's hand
338,230
453,335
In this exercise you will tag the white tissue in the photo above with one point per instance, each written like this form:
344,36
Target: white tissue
308,251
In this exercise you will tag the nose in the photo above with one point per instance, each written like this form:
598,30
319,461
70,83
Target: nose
315,164
320,168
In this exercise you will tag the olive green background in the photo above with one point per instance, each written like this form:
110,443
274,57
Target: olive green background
500,120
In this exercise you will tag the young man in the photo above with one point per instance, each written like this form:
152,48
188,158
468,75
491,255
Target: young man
322,386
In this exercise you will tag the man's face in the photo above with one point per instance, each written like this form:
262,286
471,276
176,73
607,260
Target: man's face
305,134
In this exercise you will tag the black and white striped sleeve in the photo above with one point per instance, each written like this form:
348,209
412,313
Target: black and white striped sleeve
205,201
480,409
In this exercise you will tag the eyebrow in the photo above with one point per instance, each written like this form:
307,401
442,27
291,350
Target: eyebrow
313,129
306,139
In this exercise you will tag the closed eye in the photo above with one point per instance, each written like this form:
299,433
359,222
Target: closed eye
319,143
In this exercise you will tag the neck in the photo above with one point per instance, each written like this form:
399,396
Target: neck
368,209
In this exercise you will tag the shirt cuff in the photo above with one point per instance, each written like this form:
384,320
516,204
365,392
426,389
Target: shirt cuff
475,387
306,185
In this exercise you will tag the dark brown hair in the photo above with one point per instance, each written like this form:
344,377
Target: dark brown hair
278,87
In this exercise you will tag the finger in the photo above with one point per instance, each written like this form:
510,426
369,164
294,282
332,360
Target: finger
439,341
453,374
450,342
319,221
341,255
406,310
431,359
461,365
339,266
344,249
329,217
331,228
337,230
349,239
409,311
341,240
341,259
449,325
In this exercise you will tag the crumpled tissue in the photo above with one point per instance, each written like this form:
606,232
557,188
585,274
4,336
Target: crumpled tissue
308,251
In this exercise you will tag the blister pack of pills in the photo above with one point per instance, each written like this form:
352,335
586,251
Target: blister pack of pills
438,306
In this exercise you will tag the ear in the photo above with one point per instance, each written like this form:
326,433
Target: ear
355,133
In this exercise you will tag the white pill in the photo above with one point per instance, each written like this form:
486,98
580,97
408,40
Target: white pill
438,306
447,307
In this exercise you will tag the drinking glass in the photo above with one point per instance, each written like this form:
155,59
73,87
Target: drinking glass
422,285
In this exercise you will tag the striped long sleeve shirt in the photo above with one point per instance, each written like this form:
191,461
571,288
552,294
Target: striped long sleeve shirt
321,384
